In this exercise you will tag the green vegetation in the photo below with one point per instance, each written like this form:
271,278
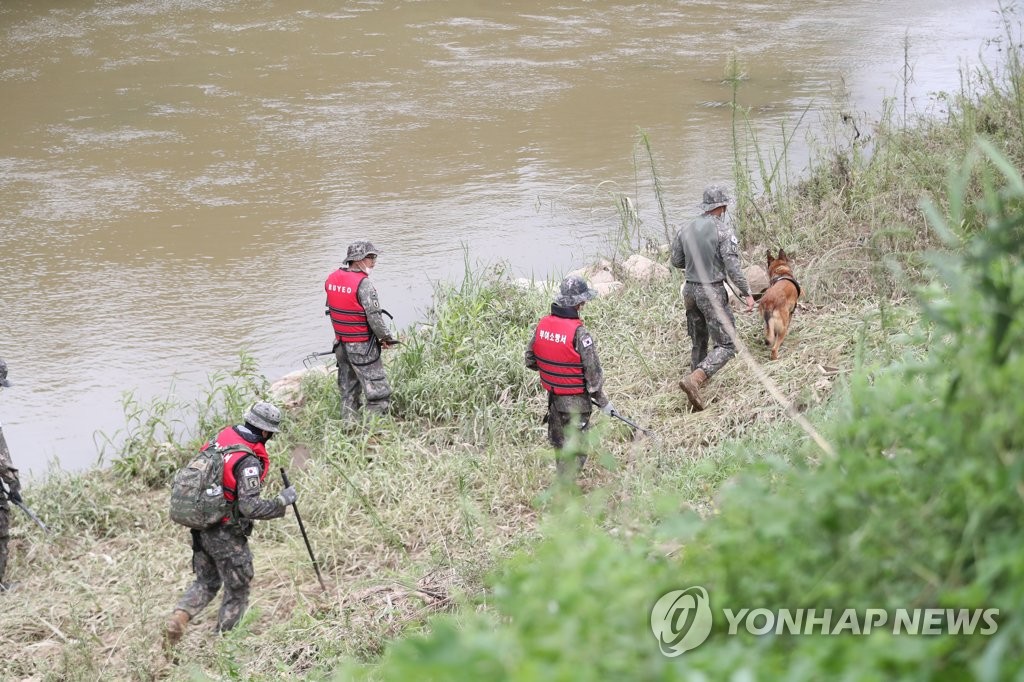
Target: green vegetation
448,552
922,508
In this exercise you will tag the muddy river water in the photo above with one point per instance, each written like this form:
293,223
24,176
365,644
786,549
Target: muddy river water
178,177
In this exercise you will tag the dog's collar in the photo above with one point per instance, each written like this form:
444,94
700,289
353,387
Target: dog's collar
787,278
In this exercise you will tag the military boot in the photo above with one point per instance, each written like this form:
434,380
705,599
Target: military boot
691,384
176,627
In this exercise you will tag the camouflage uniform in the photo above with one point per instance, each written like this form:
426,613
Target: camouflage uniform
564,409
221,555
10,478
360,368
708,250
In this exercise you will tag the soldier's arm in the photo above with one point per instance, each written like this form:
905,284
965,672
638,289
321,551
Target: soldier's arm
249,503
530,358
587,348
7,471
367,295
729,247
678,256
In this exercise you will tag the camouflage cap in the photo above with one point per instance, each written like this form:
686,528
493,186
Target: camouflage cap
573,291
359,250
714,196
3,373
264,415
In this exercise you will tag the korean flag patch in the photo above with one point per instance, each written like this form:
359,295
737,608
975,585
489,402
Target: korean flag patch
587,342
250,471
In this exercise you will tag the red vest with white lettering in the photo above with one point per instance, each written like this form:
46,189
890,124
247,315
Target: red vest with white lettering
347,315
561,367
228,436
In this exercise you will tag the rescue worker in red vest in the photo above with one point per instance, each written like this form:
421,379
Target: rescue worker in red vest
565,354
359,333
220,554
9,475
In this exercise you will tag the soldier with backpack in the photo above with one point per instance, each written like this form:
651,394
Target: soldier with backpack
220,551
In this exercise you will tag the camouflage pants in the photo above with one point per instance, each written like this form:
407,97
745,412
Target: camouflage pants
5,535
360,370
9,478
563,411
220,556
703,323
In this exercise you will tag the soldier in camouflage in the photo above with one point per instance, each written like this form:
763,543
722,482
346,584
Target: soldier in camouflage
220,554
359,333
9,475
565,354
707,249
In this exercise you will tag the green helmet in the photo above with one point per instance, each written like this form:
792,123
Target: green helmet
714,196
264,415
359,250
573,291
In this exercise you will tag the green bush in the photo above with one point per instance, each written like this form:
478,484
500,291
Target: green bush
466,365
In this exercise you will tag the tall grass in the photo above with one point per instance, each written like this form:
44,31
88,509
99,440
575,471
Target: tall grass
151,446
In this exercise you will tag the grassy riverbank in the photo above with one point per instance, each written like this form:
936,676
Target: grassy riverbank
450,506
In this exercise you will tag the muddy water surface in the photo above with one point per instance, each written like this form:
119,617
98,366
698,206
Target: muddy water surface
178,177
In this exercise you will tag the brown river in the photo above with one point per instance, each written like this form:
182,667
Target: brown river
178,177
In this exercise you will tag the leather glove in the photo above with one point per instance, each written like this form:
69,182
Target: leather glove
608,409
288,496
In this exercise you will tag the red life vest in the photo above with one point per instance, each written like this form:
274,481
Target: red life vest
228,436
347,315
561,367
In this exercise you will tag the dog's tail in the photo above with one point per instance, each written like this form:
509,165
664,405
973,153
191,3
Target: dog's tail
773,327
769,331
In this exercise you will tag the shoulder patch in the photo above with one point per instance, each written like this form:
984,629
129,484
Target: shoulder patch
588,341
252,483
251,471
734,240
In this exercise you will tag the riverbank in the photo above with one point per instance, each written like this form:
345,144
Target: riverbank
411,521
450,507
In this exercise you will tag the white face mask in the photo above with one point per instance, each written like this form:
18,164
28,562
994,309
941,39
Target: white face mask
368,269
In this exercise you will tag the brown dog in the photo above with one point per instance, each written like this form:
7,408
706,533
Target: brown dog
779,301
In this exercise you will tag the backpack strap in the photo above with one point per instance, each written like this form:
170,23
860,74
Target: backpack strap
227,451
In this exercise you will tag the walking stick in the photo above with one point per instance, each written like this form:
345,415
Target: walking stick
309,548
22,506
639,428
32,516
